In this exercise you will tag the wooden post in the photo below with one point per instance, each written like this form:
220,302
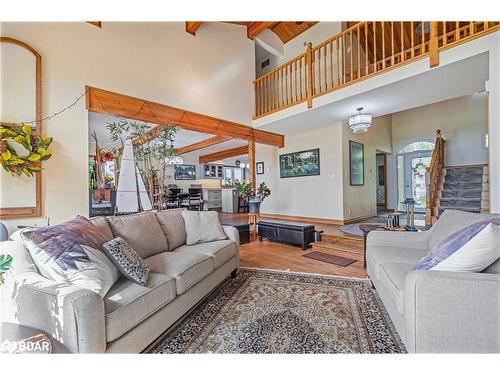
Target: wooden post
251,162
433,44
309,73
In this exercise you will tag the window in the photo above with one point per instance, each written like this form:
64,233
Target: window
417,146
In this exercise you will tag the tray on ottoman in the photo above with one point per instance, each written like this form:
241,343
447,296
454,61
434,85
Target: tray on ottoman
292,233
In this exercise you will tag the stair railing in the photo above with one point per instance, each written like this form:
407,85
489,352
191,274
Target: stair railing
359,52
434,180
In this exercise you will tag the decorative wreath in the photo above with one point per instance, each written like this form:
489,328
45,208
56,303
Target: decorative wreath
22,151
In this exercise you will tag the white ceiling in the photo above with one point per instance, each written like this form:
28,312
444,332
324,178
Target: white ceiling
97,123
462,78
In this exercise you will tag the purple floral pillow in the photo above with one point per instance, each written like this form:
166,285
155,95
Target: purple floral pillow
452,244
72,252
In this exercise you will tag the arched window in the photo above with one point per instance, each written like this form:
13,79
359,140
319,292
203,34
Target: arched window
417,146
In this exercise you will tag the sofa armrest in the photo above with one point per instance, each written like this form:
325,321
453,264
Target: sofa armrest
233,234
410,240
72,315
452,312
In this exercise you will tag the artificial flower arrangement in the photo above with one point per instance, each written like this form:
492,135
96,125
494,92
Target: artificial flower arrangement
22,151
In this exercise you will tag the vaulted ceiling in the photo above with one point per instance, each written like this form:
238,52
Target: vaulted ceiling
286,31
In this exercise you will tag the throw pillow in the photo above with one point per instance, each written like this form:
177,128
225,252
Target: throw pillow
131,265
72,252
202,227
478,253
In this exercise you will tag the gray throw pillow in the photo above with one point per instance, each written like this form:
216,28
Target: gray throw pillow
131,265
202,227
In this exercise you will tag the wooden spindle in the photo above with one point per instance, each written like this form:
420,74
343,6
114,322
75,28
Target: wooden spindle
337,61
422,49
412,39
402,42
351,67
445,35
366,49
457,31
358,46
331,64
343,57
383,45
324,64
375,46
295,78
309,73
392,43
471,28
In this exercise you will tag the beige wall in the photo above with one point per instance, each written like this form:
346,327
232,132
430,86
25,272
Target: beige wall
311,196
463,122
211,73
361,201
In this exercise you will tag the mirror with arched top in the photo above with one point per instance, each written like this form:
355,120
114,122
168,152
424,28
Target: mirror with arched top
20,101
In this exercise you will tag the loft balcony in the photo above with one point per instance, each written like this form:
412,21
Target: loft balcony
362,51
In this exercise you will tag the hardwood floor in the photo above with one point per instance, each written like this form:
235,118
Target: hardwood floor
277,256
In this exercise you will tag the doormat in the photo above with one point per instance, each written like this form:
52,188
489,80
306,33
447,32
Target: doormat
329,258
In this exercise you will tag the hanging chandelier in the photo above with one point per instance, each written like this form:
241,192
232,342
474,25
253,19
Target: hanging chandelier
174,159
361,122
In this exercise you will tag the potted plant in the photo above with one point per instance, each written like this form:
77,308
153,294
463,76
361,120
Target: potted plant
255,196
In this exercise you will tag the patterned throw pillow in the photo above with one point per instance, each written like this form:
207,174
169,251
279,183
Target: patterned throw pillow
479,242
72,252
126,259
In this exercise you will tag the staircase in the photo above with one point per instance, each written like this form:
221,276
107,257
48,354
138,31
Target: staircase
462,189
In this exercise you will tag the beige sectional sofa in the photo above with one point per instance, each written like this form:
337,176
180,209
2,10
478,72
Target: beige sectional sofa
435,311
130,316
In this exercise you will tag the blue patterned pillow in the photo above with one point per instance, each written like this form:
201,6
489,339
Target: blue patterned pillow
131,265
72,252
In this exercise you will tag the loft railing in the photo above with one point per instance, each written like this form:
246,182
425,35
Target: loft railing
359,52
434,180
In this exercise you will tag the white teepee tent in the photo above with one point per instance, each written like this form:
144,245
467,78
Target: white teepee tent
131,190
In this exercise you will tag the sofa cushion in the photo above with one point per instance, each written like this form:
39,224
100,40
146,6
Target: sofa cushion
172,224
141,231
102,223
187,268
128,304
378,255
219,251
392,278
202,227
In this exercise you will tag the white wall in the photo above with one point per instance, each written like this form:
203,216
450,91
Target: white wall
312,196
155,61
361,201
462,121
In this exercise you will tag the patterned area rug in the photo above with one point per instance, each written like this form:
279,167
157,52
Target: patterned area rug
275,312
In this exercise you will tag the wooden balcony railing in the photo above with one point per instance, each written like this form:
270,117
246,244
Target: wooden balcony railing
434,180
359,52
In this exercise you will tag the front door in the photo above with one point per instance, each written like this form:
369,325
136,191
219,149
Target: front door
416,164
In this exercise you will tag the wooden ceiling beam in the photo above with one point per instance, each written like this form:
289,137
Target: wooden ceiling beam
191,27
202,144
255,28
111,103
238,151
95,23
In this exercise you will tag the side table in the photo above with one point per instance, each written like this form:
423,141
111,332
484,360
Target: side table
252,220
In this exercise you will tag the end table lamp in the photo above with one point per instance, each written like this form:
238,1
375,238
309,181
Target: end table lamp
410,214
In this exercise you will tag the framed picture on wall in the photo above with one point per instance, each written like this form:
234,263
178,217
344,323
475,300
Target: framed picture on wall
356,163
260,167
302,163
185,172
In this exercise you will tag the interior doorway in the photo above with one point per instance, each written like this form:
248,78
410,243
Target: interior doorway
413,160
381,181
